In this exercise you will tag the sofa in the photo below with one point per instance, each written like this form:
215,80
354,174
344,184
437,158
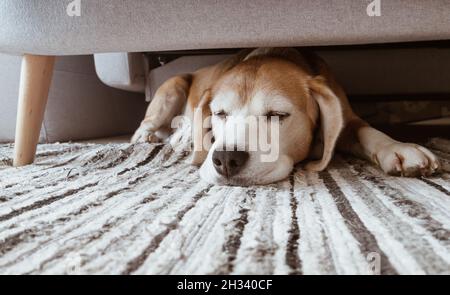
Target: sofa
118,32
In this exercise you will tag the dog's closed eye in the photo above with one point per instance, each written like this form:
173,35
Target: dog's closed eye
221,114
281,115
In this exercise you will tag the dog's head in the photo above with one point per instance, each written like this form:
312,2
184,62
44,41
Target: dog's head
265,112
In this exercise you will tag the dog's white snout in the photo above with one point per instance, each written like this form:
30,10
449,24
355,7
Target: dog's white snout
234,134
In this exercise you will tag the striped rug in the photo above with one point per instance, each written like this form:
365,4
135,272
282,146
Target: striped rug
124,209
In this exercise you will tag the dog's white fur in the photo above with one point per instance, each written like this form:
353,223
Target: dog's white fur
282,80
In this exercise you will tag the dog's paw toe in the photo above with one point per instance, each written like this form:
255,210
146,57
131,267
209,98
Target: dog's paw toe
407,159
142,136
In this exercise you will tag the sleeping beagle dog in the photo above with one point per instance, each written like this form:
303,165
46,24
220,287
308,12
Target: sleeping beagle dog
294,87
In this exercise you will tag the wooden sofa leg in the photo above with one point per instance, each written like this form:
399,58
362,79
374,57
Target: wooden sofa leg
35,79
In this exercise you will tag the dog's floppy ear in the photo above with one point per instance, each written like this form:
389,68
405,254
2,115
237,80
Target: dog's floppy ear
331,120
201,129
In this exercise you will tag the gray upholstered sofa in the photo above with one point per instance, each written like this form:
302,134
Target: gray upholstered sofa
42,29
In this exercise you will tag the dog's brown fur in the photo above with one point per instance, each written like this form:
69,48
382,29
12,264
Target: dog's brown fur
308,82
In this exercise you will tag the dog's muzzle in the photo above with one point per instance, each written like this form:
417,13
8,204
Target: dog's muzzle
229,163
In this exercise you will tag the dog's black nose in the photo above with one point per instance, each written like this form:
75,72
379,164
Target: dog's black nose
229,163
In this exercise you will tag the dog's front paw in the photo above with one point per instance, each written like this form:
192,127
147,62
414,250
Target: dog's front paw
144,135
406,159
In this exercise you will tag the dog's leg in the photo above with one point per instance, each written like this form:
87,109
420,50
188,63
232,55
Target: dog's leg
393,157
167,103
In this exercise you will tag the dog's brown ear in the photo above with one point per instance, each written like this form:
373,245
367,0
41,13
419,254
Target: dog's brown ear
331,120
201,129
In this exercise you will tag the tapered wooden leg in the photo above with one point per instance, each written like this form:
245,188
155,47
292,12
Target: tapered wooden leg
35,79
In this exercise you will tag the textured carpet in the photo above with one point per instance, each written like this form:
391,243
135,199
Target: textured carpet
124,209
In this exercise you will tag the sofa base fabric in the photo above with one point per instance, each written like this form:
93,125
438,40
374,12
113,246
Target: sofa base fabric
142,209
44,26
